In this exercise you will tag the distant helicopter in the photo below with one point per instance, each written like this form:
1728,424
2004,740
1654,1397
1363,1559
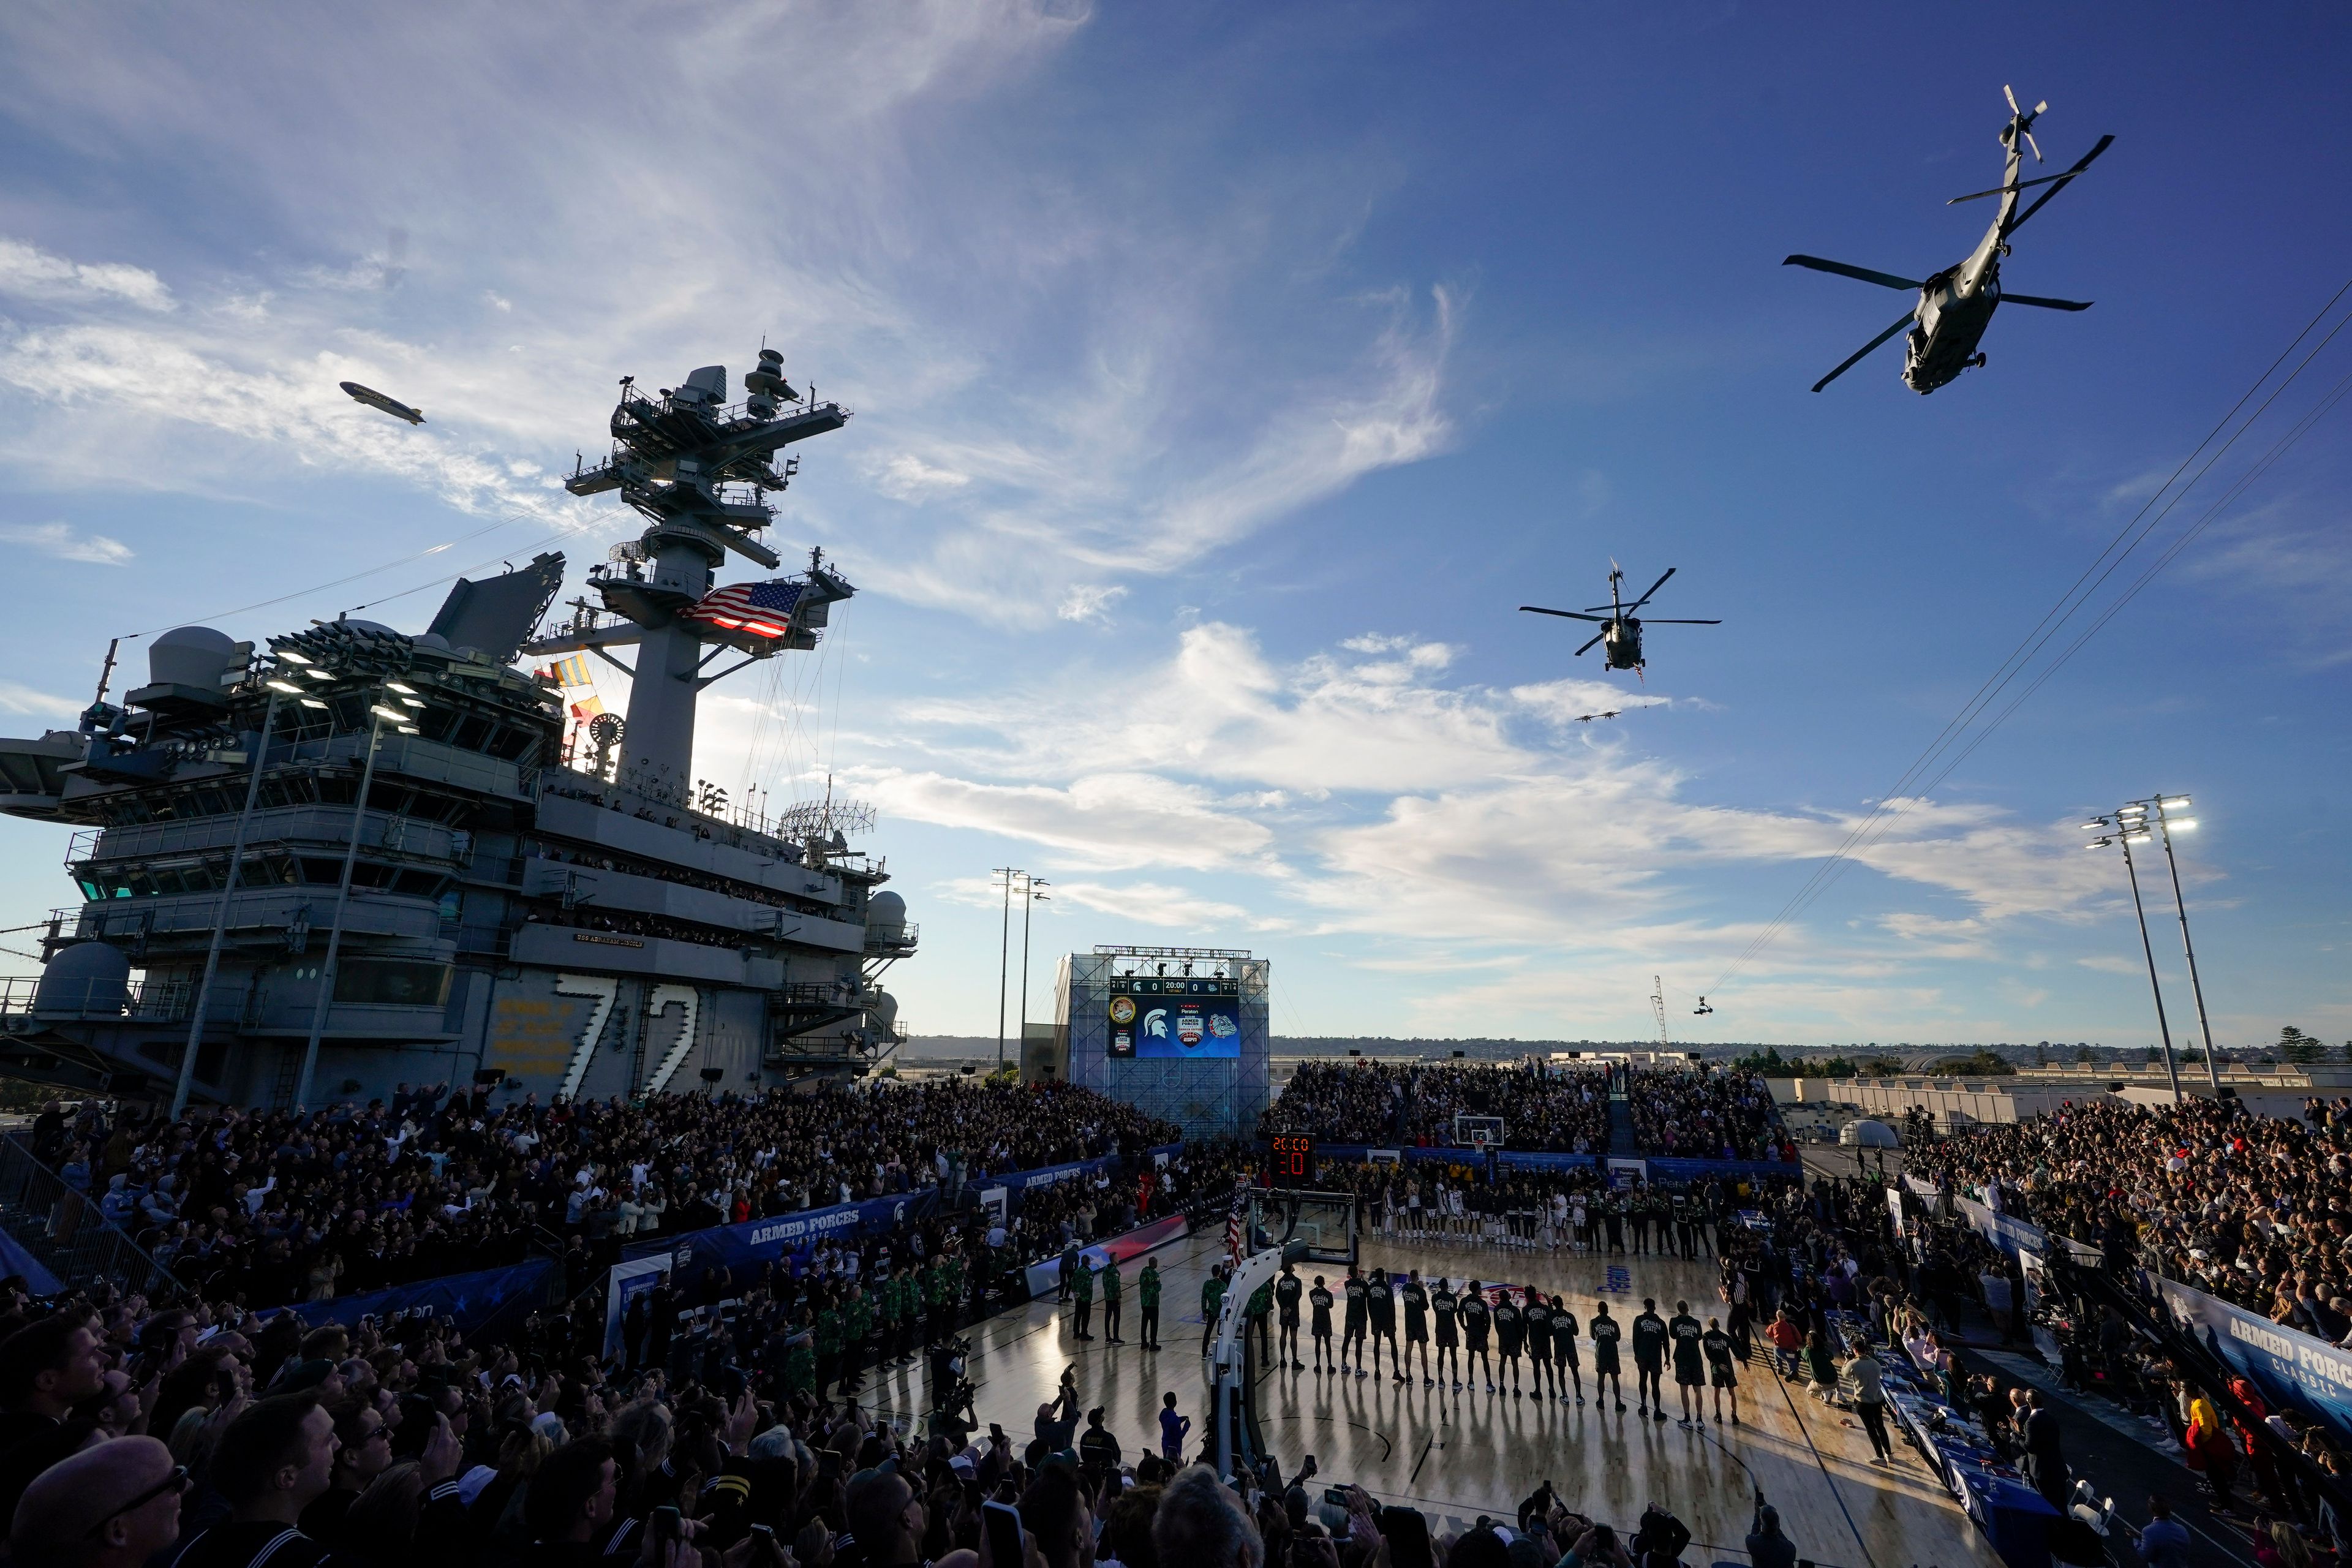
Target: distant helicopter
1589,718
1702,1009
1957,304
1619,631
374,399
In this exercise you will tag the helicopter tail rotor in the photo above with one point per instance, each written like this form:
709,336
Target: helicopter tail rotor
2020,123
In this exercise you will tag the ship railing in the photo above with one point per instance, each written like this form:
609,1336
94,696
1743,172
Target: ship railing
95,998
893,939
67,1232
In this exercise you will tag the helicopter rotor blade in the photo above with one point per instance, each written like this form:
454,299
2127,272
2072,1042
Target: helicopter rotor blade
1565,615
1596,637
2030,141
1846,270
1654,621
2061,183
2010,93
2003,190
1653,588
2045,304
1855,358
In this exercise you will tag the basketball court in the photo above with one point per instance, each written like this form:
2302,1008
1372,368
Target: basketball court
1458,1455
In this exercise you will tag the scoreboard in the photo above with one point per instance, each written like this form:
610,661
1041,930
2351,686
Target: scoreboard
1290,1159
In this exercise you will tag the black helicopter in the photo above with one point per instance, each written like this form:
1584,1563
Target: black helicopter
1956,305
1620,633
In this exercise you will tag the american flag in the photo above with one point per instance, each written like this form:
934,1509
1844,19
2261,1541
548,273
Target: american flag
762,609
1235,1219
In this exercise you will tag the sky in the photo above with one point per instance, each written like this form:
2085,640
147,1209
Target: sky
1223,377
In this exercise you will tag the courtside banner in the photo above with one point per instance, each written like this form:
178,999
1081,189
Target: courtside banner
485,1305
2009,1234
1045,1274
2289,1367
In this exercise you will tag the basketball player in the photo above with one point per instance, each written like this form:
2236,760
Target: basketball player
1287,1291
1416,1326
1719,1361
1563,1348
1650,1360
1382,1297
1684,1332
1352,1328
1606,1378
1511,1338
1476,1317
1319,1299
1538,1312
1444,1304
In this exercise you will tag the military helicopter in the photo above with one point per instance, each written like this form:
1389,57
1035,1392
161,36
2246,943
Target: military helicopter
1619,630
1957,304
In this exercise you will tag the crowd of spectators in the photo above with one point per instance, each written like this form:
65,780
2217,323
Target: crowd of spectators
267,1208
2254,1209
1413,1104
1717,1113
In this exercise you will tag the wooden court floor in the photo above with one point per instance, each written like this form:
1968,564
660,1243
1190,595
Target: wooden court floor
1458,1455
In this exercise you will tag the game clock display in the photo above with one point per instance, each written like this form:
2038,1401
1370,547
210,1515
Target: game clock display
1290,1159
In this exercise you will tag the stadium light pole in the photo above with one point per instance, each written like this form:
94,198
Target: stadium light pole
1004,959
378,711
277,684
1029,899
2128,824
2164,824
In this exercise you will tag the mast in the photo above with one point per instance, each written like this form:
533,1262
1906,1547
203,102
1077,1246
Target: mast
699,470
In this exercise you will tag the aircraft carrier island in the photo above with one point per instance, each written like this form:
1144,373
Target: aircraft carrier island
353,858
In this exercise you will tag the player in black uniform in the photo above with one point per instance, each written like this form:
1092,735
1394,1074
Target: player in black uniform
1287,1291
1606,1331
1319,1299
1416,1325
1511,1338
1650,1359
1446,1304
1538,1312
1614,1218
1352,1328
1475,1316
1719,1361
1690,1371
1563,1348
1380,1299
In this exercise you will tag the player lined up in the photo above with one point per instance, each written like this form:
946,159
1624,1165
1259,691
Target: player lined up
1528,1332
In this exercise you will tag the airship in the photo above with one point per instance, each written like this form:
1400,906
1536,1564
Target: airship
374,399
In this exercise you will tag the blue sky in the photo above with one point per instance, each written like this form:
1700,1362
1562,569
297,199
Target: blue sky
1223,380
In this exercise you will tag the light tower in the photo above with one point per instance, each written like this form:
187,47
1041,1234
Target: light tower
699,470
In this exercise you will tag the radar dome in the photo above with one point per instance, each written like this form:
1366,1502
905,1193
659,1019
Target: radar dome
1864,1133
884,1011
886,916
86,979
191,656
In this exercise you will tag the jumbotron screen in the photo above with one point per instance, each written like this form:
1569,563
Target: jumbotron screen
1159,1016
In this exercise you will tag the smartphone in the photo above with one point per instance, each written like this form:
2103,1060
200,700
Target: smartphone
1337,1496
1002,1523
828,1464
664,1526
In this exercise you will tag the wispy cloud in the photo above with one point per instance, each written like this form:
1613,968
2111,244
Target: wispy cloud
28,272
66,542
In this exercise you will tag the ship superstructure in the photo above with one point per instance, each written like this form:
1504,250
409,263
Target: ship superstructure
354,858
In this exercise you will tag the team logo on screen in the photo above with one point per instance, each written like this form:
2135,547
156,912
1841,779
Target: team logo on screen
1155,1023
1123,1010
1225,1028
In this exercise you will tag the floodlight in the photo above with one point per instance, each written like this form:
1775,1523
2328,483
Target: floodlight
412,702
285,686
2172,800
403,690
312,702
2094,826
395,714
2182,826
289,655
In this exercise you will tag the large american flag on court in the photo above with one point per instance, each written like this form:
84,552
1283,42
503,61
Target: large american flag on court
1235,1219
762,609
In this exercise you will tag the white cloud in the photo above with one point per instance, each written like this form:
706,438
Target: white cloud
1090,601
17,697
67,544
908,478
31,273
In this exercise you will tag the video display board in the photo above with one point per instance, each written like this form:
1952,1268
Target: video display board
1161,1016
